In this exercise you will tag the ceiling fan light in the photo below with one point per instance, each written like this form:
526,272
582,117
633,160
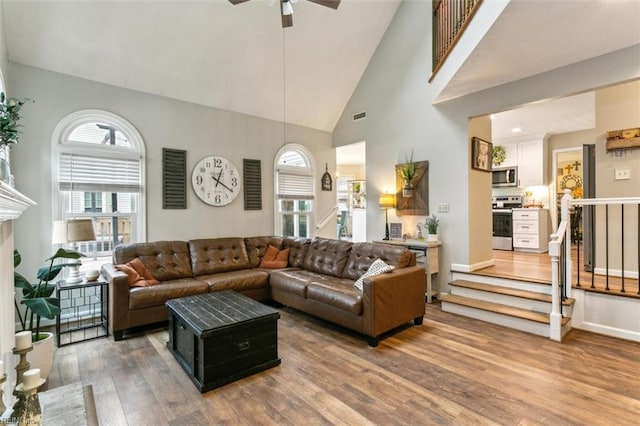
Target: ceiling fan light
286,8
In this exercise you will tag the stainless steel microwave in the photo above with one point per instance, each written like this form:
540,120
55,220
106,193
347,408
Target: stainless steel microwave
505,176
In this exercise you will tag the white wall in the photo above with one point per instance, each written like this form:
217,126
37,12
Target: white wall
162,122
395,93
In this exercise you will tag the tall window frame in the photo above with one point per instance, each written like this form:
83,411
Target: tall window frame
69,198
294,189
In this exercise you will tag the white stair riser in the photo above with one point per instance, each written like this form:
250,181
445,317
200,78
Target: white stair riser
503,282
503,299
528,326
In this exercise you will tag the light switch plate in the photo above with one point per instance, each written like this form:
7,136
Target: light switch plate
623,174
443,208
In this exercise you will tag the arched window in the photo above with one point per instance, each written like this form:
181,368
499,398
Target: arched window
98,173
294,191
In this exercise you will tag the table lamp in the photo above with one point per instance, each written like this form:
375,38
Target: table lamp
387,201
73,231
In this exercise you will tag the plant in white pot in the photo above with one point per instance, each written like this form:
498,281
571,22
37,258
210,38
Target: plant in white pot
39,302
432,223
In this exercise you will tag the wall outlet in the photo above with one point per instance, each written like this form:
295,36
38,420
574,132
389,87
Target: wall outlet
443,208
623,174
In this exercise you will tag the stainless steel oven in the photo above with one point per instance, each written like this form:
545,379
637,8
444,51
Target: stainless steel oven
503,220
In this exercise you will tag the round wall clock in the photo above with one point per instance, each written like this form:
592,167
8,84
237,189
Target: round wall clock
216,181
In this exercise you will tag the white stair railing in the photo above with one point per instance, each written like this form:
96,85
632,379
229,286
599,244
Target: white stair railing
331,214
560,241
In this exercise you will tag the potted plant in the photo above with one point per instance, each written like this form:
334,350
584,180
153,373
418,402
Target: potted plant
432,223
407,172
39,302
9,117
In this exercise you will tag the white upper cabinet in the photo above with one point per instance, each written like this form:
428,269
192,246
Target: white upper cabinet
530,163
511,155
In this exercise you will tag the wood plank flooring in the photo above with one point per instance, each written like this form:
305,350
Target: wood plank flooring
536,267
450,370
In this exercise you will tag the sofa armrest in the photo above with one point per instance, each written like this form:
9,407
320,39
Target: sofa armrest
118,297
393,299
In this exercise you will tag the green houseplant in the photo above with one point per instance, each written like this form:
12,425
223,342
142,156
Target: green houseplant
432,223
407,172
37,298
9,117
499,155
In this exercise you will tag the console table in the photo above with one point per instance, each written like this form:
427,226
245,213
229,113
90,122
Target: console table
428,253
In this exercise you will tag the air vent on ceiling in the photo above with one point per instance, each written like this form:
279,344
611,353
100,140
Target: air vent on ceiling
360,116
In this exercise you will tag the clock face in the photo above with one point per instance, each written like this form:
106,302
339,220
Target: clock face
216,181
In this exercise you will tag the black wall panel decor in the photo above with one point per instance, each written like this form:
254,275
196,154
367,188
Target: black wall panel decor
174,178
252,173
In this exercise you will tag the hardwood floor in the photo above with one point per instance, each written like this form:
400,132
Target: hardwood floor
537,267
450,370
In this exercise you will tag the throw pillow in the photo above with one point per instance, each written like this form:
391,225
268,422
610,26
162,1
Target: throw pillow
377,267
274,258
137,274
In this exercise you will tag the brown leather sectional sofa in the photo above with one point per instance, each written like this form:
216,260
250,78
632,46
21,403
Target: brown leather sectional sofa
318,280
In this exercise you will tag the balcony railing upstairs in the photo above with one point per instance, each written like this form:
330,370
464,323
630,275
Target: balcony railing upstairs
450,18
612,237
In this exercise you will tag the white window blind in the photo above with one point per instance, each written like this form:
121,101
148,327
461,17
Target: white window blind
98,174
292,186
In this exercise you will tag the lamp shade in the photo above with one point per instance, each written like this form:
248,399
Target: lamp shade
73,230
387,201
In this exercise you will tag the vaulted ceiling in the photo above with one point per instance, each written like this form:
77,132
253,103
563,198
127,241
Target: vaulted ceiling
239,58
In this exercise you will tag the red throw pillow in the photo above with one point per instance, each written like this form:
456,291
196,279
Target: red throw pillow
137,274
274,258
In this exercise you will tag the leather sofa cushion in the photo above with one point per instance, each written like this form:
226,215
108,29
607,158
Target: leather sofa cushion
145,297
327,256
338,293
257,247
213,255
297,250
364,254
246,279
166,260
293,281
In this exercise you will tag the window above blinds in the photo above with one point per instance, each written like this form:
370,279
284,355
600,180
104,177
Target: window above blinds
98,174
99,134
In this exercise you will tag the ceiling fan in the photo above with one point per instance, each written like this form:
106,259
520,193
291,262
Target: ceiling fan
287,10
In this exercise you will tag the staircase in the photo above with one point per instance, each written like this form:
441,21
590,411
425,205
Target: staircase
520,304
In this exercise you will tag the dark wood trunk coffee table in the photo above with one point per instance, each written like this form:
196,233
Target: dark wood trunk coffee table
221,337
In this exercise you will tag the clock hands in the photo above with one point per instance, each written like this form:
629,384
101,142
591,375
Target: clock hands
217,179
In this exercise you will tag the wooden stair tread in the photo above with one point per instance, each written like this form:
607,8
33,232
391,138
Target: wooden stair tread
499,308
509,291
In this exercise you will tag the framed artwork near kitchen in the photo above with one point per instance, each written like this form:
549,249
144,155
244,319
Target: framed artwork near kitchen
481,154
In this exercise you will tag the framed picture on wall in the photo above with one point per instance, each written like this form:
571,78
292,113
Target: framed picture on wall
481,154
395,230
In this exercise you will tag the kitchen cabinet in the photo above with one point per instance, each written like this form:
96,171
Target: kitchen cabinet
530,230
510,155
530,163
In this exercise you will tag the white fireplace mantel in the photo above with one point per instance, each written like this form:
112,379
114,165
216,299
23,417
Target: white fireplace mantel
12,202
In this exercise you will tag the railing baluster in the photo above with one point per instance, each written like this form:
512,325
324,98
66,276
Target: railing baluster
606,243
638,248
578,257
593,246
622,242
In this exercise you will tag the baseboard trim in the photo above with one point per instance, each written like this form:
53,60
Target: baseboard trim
609,331
459,267
616,273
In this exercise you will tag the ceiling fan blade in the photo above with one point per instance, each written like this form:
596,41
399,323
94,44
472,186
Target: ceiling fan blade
287,20
333,4
234,2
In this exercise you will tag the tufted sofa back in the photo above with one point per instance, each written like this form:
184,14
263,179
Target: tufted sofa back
326,256
298,248
166,260
257,246
363,254
213,255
